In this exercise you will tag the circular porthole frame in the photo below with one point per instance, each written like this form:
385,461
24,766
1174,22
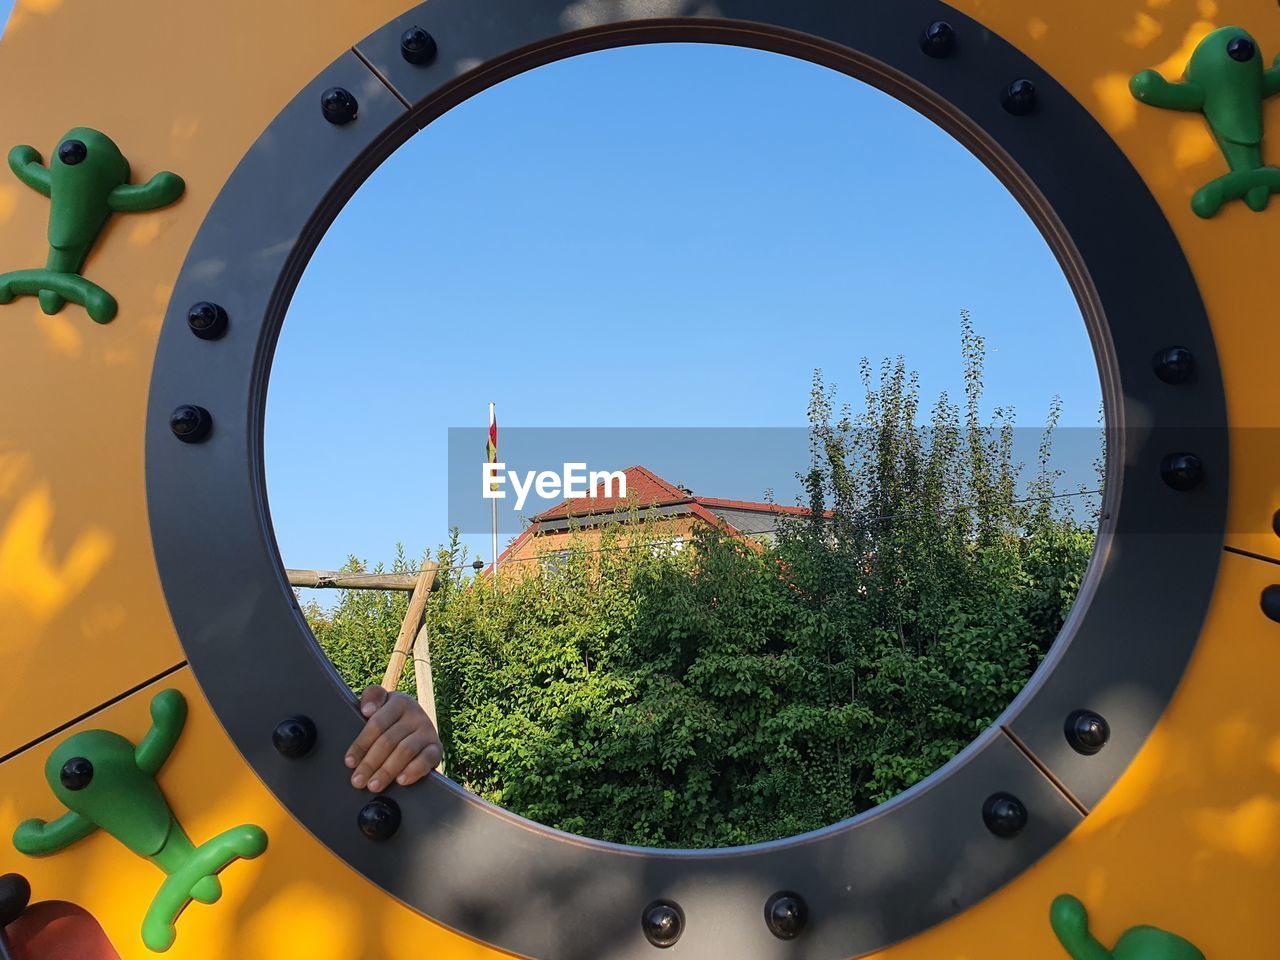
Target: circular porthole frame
868,882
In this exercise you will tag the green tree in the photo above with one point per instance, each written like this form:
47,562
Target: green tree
734,692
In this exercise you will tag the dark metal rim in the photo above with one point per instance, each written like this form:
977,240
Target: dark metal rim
867,882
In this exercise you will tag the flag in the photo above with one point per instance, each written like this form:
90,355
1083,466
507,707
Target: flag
491,452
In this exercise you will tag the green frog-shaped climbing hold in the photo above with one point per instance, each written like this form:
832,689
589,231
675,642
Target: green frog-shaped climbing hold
1070,922
107,783
86,181
1226,82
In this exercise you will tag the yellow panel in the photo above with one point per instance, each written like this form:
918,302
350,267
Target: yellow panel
182,87
296,900
1092,49
1190,839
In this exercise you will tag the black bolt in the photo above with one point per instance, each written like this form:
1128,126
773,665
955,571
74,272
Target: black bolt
191,424
1174,365
1241,49
208,321
15,894
663,922
1019,97
417,46
1275,522
72,152
938,39
785,914
339,105
1004,814
76,773
379,819
1271,602
294,737
1087,732
1182,471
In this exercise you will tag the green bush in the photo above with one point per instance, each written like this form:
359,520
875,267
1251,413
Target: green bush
358,632
731,693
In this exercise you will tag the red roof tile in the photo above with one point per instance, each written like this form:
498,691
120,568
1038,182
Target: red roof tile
647,489
714,502
644,489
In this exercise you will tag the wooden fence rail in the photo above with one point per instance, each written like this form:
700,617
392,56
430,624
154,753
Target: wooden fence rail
323,579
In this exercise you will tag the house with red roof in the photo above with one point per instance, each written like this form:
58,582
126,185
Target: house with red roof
677,510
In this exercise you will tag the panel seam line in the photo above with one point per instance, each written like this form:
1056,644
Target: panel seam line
89,713
1251,555
1045,771
378,73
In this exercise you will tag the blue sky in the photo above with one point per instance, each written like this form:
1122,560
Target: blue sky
658,236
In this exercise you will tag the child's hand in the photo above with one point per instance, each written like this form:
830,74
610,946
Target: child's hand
397,743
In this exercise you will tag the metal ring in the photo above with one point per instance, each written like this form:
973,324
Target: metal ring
867,882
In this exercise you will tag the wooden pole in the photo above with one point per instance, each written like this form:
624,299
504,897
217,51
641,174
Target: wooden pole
322,579
422,672
409,629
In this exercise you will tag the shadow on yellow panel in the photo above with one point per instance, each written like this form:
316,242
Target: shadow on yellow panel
296,900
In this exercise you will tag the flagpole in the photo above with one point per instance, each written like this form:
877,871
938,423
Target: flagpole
494,503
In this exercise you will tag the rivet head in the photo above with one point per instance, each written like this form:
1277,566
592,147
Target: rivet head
1271,602
76,773
1182,471
1174,365
1087,732
72,152
1275,522
1004,814
1019,98
662,922
208,321
938,39
294,737
15,894
379,819
785,914
338,105
417,46
1241,49
191,424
